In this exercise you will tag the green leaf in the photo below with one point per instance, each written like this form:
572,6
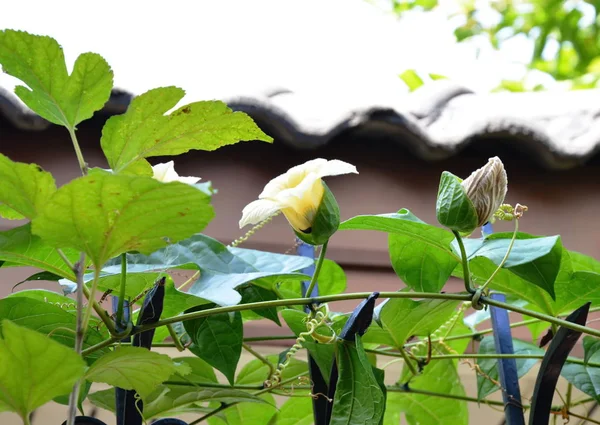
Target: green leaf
53,94
411,79
24,188
200,371
221,270
439,376
420,253
485,386
105,215
34,369
534,259
358,396
19,247
128,368
295,411
253,294
217,339
255,372
247,413
168,400
581,288
454,209
583,262
145,131
47,319
332,281
586,377
403,317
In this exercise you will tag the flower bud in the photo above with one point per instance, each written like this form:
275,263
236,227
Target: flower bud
486,188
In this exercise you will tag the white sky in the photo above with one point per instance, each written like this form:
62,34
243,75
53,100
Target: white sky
219,48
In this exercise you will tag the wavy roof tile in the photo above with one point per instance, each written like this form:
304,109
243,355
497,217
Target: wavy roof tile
562,130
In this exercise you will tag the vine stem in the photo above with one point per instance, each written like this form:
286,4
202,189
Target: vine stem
260,357
313,280
465,262
176,341
510,247
82,164
92,294
80,327
121,304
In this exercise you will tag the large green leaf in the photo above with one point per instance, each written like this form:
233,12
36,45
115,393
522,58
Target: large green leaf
403,317
129,367
535,259
48,319
454,209
200,371
217,339
222,269
582,287
332,280
246,413
168,400
19,247
439,376
145,131
55,95
24,189
295,411
420,253
34,369
583,262
585,377
485,384
105,215
358,399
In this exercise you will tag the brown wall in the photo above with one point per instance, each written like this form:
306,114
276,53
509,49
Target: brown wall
560,202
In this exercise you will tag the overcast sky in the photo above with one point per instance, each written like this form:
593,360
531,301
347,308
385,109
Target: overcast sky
219,48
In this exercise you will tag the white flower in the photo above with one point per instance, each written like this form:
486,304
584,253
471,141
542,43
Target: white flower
297,194
166,173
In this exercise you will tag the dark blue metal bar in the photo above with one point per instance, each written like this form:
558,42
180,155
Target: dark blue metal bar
507,368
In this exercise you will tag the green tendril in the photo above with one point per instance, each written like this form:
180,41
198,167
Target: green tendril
252,231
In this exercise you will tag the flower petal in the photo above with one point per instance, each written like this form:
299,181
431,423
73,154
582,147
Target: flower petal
335,167
162,170
257,211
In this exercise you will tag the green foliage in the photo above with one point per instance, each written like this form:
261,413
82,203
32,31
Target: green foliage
144,131
358,397
24,189
127,368
586,377
52,93
485,384
34,369
124,214
105,215
217,340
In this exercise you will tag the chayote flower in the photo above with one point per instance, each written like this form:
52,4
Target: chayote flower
486,188
298,194
165,172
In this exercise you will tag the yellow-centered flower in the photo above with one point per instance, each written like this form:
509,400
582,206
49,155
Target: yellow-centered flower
297,194
486,188
165,172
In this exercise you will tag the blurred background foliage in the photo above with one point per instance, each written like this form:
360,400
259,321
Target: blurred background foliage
564,37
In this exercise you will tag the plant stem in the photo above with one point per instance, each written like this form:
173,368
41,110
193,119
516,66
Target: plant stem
217,385
175,337
65,259
465,262
108,322
82,164
269,338
313,280
80,327
121,304
510,247
398,389
300,301
407,362
260,357
92,299
106,343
